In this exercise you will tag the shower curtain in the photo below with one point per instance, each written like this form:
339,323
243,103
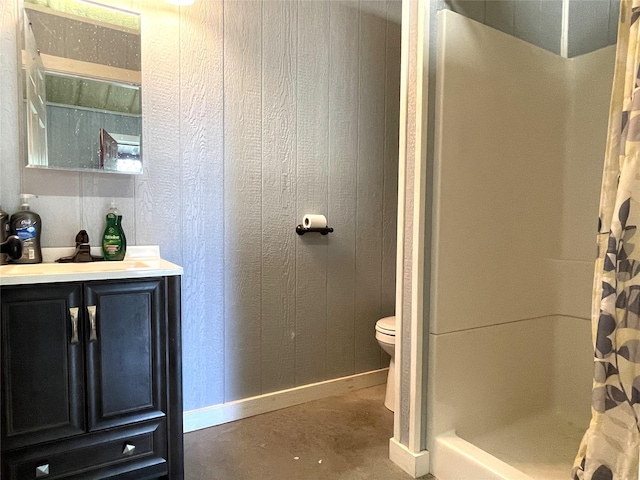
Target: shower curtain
610,447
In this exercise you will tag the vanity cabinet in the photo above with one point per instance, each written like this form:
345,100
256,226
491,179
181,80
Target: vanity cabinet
91,380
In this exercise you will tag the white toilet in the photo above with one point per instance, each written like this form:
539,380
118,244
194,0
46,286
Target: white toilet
386,336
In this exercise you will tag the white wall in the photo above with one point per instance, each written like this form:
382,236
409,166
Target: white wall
255,113
520,144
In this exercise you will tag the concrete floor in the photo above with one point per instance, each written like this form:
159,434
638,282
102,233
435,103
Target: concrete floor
343,438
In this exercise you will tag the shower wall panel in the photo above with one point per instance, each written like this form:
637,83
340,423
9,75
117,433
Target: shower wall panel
590,24
492,376
500,127
489,376
518,165
588,80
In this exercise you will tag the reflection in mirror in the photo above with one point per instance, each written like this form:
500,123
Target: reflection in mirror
82,85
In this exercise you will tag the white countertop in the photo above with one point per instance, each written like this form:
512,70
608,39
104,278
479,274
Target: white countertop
140,262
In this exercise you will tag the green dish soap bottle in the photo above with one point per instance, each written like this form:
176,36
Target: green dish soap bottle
114,243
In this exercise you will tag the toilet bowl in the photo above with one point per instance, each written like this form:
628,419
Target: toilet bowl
386,336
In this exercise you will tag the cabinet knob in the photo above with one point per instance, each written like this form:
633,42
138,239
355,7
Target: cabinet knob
128,449
42,470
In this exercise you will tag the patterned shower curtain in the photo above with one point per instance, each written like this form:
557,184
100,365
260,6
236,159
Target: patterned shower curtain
610,447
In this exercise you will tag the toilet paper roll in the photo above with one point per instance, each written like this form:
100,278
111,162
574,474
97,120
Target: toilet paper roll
314,221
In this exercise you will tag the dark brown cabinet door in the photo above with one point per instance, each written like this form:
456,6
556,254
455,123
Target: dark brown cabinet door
42,364
126,352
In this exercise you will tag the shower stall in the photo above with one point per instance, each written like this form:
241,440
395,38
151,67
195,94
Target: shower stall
520,138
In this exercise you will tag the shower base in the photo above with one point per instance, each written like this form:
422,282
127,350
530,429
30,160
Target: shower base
538,447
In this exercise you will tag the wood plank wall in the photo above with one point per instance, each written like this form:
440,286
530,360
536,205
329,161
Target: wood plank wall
256,113
309,107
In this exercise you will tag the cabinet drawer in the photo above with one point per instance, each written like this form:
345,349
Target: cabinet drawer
134,452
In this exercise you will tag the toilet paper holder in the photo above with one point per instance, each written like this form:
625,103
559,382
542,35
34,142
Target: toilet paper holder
300,230
313,222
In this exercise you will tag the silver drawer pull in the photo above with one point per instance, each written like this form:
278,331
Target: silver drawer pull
93,335
42,470
128,449
73,313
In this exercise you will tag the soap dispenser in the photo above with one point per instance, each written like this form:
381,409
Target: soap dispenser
114,243
27,225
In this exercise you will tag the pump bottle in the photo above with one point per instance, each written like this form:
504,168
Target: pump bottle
27,225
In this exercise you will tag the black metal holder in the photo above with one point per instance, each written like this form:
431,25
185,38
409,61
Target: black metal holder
300,230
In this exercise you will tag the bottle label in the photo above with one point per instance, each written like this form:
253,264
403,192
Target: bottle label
27,232
111,242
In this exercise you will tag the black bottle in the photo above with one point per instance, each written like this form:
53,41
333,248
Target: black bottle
27,225
5,231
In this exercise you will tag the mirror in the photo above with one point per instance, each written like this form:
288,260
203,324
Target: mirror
82,86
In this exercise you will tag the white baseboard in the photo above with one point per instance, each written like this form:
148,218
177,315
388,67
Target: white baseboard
248,407
415,464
